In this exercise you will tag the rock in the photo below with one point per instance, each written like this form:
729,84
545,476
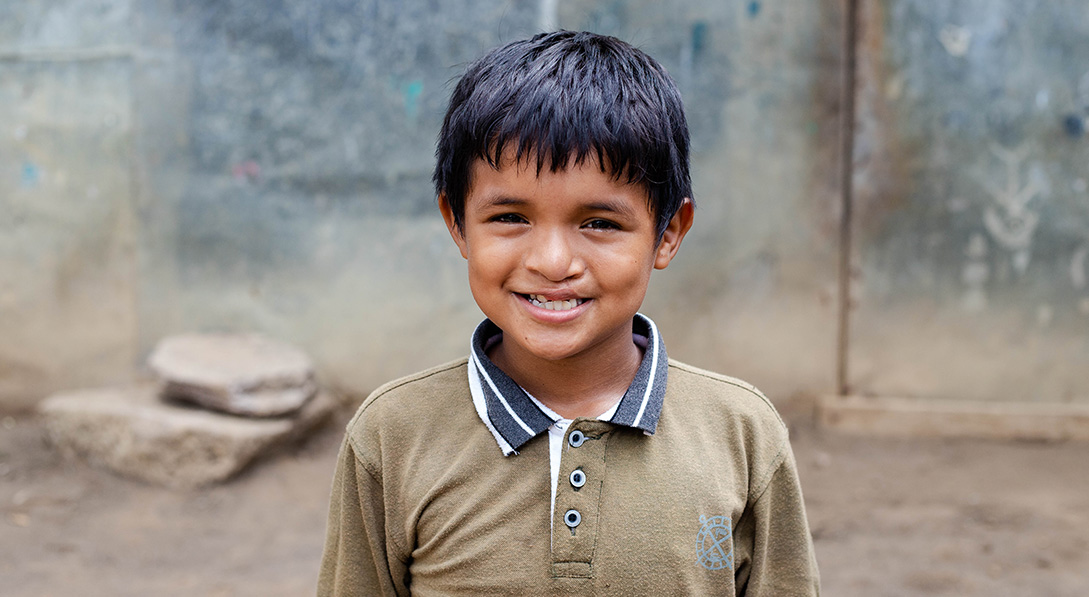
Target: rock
247,375
133,432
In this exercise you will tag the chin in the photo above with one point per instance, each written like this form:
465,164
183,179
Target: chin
549,351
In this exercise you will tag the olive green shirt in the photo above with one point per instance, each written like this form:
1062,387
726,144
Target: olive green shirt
424,503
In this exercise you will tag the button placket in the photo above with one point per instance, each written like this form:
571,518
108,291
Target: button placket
578,500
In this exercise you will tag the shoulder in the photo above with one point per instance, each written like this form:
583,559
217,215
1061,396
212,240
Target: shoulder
698,388
412,406
427,384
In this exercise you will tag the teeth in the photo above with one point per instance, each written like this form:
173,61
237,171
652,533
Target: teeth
542,302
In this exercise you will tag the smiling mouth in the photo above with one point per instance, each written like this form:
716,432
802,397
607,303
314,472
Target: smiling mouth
538,300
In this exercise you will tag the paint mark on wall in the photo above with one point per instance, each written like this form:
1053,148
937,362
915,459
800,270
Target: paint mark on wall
955,40
699,40
701,31
1074,125
412,92
31,175
753,9
247,171
1009,219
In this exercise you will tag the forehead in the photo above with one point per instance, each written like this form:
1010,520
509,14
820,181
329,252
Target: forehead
530,175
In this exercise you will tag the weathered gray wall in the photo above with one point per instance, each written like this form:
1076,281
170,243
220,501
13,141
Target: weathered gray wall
167,166
243,165
67,202
973,213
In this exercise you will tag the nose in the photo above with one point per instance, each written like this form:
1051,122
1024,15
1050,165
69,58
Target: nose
553,255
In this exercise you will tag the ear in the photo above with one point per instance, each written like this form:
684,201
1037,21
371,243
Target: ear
452,226
674,234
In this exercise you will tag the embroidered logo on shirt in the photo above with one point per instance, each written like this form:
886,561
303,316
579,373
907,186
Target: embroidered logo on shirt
714,551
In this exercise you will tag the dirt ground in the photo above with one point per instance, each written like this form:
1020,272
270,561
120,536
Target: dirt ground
889,518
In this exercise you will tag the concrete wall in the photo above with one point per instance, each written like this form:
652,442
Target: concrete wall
243,165
68,230
972,219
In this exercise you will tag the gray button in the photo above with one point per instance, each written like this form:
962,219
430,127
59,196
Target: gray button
578,478
572,518
576,438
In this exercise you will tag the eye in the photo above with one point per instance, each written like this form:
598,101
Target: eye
599,224
507,218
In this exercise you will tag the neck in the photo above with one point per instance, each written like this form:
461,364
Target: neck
584,385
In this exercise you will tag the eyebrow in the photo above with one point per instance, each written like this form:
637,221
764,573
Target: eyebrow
606,205
609,205
502,201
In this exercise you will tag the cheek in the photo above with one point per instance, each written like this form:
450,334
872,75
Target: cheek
624,270
490,261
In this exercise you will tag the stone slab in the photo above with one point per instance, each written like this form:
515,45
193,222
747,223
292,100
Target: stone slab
243,374
133,432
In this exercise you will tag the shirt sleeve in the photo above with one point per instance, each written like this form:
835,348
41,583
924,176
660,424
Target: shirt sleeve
780,561
359,558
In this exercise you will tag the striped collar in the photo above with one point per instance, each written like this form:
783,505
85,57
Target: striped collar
514,419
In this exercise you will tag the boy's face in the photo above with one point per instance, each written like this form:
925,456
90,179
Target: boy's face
560,261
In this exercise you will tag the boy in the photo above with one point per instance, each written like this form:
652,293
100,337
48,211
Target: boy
566,454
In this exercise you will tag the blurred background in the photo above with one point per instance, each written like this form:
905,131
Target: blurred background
173,166
233,165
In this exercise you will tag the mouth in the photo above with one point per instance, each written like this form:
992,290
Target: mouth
542,302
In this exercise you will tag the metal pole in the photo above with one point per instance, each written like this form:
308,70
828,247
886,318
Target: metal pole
847,150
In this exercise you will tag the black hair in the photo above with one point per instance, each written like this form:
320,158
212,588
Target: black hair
562,96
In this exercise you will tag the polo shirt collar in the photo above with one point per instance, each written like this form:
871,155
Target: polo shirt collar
514,419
